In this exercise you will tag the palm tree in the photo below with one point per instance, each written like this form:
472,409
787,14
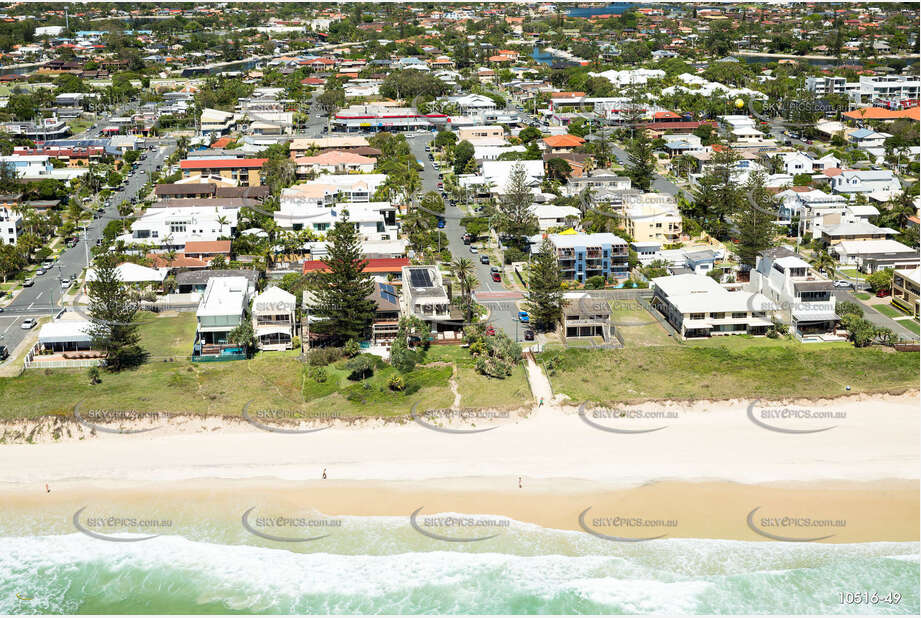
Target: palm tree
462,269
170,257
823,261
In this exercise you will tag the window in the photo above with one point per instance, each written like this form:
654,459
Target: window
738,314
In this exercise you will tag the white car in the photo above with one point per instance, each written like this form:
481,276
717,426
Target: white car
473,249
28,323
841,283
65,283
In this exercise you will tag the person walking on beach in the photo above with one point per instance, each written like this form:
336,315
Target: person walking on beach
541,402
324,474
519,482
47,489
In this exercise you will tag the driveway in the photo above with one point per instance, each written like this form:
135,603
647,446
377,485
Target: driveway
874,316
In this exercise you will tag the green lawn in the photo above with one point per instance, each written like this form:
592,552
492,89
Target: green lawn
863,296
167,335
79,126
911,325
637,326
170,383
727,368
889,311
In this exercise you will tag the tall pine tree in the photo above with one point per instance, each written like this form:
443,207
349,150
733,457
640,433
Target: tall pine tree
640,165
340,293
112,317
755,221
544,299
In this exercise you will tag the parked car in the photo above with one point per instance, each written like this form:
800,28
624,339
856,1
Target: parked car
494,269
28,283
490,331
529,335
473,249
4,352
40,271
484,259
28,323
883,293
441,223
65,283
523,317
841,283
497,277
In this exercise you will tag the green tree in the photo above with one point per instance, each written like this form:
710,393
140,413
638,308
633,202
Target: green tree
463,271
558,169
880,280
244,336
463,154
341,292
514,216
544,298
113,312
640,163
755,221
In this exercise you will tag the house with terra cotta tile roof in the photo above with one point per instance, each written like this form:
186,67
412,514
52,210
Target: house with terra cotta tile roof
242,172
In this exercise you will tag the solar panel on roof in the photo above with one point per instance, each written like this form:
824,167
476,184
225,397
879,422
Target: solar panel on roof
420,278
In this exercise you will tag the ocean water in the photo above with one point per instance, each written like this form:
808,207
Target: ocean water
382,565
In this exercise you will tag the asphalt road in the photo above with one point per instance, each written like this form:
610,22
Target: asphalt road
659,183
873,316
503,313
44,297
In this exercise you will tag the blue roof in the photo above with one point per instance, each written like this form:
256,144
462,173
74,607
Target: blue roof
861,133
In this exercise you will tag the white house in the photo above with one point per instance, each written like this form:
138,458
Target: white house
806,302
222,308
549,216
697,306
374,221
10,225
172,227
883,184
274,318
498,173
866,139
597,180
872,255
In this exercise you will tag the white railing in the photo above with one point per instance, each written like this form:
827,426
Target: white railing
63,364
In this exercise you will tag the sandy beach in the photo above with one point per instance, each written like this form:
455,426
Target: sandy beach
860,438
703,467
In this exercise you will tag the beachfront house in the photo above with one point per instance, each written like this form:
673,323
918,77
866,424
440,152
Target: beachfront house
273,318
697,306
806,301
585,317
222,308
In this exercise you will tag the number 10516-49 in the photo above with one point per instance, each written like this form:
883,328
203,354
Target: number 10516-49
869,598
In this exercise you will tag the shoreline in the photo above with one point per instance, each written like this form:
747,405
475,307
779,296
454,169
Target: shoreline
676,510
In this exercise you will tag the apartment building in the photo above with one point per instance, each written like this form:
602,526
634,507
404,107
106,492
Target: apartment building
906,290
597,180
480,132
582,256
10,220
242,172
652,217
